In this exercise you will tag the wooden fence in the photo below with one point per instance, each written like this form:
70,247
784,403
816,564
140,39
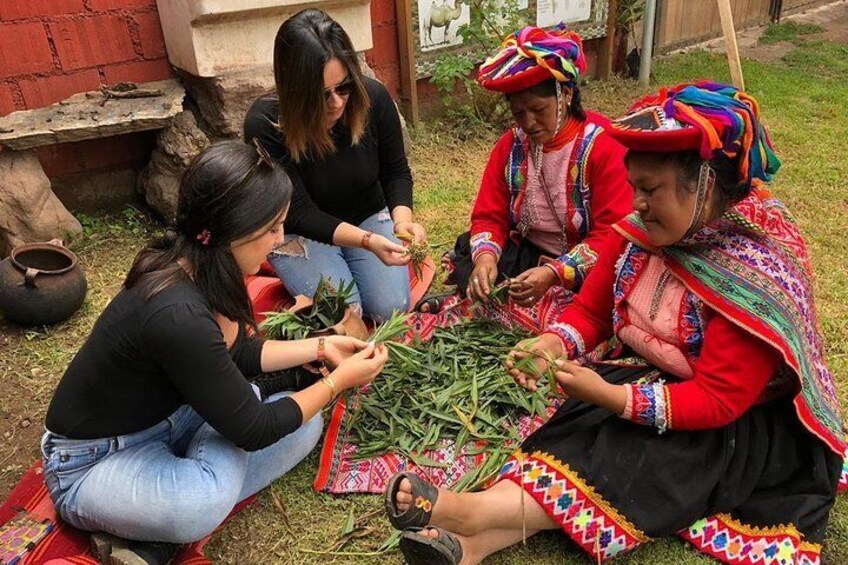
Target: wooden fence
683,22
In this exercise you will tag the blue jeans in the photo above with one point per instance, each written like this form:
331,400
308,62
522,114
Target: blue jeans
380,289
174,482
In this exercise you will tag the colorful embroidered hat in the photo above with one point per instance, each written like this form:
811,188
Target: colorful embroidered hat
714,118
532,55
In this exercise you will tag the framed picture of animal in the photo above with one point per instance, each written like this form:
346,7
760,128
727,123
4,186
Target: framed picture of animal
439,21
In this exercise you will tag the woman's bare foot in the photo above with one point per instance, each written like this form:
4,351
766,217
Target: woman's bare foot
403,499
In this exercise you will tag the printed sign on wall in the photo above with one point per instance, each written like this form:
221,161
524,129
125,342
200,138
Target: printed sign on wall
551,12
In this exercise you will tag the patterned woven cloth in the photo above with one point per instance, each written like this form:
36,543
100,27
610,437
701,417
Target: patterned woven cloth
61,544
340,472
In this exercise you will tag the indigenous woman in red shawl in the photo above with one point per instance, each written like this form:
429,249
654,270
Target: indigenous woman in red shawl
723,428
555,182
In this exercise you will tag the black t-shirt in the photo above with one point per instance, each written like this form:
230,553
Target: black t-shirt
350,185
146,358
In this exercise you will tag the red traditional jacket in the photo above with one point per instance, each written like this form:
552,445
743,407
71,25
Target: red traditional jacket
730,370
747,328
597,191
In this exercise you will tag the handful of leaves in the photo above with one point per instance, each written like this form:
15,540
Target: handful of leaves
528,366
418,251
328,309
452,389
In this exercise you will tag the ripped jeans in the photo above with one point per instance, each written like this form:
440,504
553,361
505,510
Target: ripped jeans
380,289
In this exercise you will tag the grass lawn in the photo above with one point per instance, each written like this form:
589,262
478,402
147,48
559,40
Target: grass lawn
804,99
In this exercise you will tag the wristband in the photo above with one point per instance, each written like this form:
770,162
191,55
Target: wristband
320,357
366,240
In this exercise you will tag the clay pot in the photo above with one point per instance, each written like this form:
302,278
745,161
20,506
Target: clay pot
351,323
41,283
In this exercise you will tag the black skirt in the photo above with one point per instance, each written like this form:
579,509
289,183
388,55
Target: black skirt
515,259
758,490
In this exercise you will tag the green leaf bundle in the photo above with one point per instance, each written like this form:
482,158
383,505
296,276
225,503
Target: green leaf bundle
328,309
452,390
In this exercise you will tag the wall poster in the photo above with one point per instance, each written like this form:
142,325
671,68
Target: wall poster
551,12
435,24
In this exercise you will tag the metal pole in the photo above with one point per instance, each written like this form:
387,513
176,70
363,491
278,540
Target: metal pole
647,41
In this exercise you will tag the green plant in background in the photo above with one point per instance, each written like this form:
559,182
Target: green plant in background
490,22
328,308
628,14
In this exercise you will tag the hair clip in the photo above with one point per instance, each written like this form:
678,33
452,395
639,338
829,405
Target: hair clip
264,156
204,236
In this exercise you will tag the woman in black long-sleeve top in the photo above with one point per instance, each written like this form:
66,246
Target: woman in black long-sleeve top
154,433
338,134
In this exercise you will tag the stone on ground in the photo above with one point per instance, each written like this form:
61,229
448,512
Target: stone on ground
176,146
29,211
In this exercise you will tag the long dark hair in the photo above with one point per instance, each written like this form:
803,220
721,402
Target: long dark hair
228,192
304,44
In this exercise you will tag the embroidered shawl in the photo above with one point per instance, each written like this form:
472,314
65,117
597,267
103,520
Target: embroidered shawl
752,266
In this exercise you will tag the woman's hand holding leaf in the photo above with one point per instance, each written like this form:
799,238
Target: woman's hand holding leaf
362,367
337,348
587,385
531,358
483,277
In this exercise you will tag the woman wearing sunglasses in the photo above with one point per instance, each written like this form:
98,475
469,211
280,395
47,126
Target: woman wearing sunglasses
338,135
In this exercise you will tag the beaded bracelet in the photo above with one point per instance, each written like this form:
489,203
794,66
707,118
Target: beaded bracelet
321,356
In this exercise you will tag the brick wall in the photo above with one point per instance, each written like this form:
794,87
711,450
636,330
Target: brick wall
384,57
52,49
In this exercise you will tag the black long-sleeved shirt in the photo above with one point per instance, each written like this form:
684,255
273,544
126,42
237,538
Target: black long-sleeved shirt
146,358
350,185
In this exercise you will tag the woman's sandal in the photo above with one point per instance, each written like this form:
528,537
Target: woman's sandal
422,550
432,303
418,514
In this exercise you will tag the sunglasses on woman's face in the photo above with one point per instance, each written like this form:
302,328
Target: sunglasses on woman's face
344,88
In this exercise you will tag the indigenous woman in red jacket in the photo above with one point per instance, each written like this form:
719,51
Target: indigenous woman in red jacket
724,427
555,182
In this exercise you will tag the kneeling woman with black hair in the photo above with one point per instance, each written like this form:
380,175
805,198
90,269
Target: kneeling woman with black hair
154,433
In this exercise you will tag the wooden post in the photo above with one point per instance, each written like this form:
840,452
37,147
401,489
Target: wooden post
606,51
726,14
408,74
